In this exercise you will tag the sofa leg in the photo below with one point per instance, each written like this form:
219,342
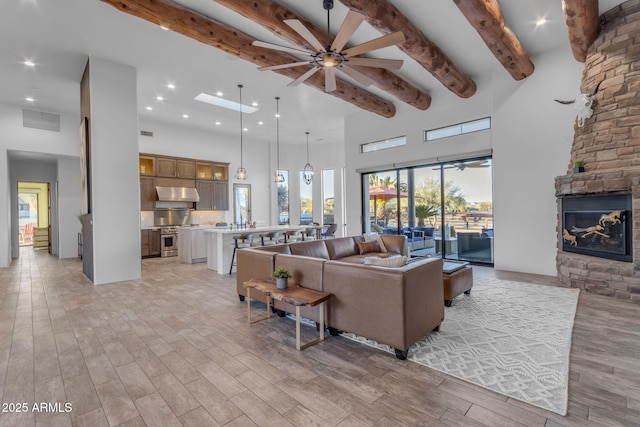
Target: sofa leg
402,354
436,329
447,303
468,292
333,331
241,297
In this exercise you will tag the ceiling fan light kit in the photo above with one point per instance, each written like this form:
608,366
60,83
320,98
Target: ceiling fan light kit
241,172
334,57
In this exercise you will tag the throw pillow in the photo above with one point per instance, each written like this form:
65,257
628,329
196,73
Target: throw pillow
375,238
366,247
394,261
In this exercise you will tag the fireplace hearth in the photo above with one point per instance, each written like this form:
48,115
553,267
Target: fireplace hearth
599,226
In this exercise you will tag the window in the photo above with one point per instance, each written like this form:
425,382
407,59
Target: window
283,199
306,201
383,145
328,197
459,129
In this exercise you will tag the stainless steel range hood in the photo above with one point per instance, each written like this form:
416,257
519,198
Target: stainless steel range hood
177,194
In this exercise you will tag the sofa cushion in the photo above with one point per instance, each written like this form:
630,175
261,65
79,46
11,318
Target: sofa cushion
311,248
377,238
341,247
366,247
394,261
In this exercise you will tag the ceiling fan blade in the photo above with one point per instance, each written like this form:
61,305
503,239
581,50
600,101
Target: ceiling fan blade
304,77
281,48
278,67
356,75
348,27
330,79
389,64
379,43
299,28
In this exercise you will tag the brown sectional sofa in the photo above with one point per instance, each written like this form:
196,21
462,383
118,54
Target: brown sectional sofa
394,306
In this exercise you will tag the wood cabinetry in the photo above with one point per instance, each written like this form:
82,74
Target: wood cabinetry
150,243
40,237
220,172
165,167
221,196
185,169
147,165
147,193
205,191
204,170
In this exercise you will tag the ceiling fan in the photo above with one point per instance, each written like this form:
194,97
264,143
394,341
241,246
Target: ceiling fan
464,165
334,57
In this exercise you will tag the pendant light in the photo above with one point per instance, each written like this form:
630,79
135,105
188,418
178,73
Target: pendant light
307,172
279,175
241,172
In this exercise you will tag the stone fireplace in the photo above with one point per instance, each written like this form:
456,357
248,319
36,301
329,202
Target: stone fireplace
609,145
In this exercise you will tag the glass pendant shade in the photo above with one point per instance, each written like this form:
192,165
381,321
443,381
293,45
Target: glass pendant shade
307,172
241,172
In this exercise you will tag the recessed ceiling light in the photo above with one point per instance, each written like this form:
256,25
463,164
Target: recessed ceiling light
260,122
541,21
171,86
254,103
185,116
224,103
29,63
219,93
277,115
245,129
29,99
164,28
217,123
149,108
159,98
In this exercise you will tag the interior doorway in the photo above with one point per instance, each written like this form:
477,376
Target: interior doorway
242,204
34,214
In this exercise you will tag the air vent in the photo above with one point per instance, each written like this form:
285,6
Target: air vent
146,133
40,120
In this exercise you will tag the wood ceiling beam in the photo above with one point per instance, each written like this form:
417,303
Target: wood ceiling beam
230,40
583,25
387,19
270,15
486,17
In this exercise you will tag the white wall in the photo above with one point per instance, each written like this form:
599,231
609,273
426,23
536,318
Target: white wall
13,137
115,189
530,137
68,207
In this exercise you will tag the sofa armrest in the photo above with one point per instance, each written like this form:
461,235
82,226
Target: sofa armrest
396,243
254,264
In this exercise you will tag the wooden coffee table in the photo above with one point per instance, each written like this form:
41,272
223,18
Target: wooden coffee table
295,295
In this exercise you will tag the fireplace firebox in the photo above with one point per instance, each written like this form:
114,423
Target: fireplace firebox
599,226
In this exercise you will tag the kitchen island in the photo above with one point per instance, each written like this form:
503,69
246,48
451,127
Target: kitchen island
220,243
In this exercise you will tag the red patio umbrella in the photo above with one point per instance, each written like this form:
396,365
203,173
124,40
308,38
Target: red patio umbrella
376,192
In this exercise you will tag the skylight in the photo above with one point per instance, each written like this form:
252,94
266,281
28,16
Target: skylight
225,103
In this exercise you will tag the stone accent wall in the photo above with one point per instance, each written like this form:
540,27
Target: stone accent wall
609,145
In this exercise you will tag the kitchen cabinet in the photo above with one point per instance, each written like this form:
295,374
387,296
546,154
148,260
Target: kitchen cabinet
185,169
147,165
214,195
205,191
220,172
147,193
204,170
150,243
166,167
192,245
220,196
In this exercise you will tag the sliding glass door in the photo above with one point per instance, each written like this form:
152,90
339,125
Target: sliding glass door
444,209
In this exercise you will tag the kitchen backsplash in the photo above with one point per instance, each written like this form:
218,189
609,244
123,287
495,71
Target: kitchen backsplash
203,217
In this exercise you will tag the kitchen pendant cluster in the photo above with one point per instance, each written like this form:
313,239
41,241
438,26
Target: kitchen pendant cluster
241,172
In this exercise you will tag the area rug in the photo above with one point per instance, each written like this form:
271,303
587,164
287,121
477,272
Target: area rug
510,337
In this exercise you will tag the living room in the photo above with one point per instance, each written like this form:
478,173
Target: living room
530,142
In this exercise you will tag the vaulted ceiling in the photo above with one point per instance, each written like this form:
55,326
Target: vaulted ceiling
449,45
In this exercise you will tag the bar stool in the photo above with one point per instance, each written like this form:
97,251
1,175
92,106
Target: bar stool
240,241
290,236
271,238
309,234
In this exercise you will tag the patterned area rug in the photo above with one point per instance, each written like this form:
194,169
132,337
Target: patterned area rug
510,337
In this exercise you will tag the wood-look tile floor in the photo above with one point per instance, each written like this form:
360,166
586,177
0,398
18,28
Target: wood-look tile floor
174,349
